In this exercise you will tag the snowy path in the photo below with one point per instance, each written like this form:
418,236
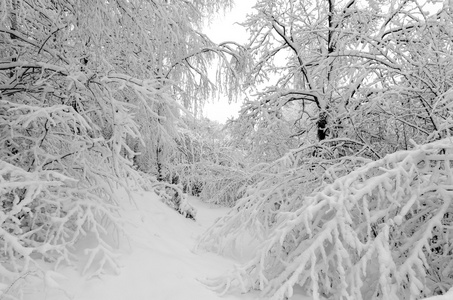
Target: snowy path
158,262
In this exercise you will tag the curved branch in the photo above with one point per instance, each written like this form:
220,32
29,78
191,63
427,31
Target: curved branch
281,33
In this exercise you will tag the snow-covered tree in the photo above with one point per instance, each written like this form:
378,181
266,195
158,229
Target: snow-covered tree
83,86
381,231
206,165
375,72
344,213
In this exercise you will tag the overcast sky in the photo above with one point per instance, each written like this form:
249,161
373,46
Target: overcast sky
223,28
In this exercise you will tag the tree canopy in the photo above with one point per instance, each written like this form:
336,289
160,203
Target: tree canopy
367,75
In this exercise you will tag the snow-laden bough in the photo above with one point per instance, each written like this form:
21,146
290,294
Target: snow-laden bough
382,231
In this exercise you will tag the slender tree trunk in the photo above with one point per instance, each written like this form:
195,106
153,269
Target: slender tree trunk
160,176
14,9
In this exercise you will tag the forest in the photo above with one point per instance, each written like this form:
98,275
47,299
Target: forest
339,164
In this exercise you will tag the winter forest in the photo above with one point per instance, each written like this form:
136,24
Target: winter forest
338,170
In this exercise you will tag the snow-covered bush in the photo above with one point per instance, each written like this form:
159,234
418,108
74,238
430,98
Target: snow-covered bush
381,231
173,196
213,182
206,165
269,189
59,171
224,185
45,214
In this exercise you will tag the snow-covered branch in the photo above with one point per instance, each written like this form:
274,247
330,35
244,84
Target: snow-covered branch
381,231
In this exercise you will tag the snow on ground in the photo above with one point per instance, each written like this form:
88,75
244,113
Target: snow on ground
158,261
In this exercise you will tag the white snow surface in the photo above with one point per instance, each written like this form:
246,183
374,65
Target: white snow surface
157,259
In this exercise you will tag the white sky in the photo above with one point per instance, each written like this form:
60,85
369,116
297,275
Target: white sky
224,29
